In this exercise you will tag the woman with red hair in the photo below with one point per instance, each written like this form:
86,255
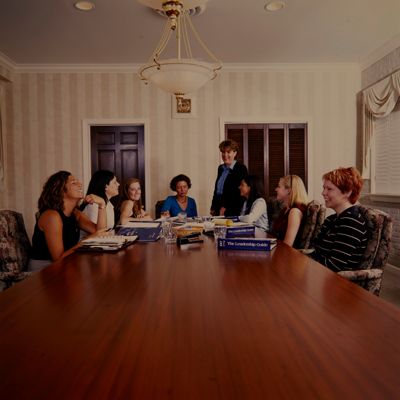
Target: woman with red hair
343,238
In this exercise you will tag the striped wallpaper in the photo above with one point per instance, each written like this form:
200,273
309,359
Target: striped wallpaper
46,117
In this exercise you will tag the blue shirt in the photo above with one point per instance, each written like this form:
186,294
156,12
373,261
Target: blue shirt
172,205
222,178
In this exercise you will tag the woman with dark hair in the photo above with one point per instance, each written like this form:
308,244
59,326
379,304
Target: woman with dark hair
105,185
226,199
181,202
254,209
131,202
289,224
343,238
56,232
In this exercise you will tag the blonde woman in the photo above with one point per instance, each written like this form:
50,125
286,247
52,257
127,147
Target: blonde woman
131,202
289,224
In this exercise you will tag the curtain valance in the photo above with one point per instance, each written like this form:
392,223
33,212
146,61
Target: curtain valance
379,101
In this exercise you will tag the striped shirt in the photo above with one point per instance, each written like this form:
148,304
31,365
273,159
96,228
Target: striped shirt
342,241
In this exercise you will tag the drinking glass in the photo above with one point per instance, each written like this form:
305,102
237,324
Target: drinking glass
168,232
208,224
219,232
182,216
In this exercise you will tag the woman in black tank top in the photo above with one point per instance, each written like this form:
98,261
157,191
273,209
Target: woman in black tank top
57,228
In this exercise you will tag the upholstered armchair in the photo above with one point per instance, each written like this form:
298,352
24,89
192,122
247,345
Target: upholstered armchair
370,274
14,248
315,216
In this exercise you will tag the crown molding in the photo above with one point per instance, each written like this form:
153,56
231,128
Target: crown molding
76,68
236,67
134,68
380,52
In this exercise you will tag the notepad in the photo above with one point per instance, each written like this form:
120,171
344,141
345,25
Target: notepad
107,243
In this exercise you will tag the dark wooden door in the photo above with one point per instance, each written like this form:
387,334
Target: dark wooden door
119,149
271,151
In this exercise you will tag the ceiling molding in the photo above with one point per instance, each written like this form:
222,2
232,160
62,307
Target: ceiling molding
134,68
380,52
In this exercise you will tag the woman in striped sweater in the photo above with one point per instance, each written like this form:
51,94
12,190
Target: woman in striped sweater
343,238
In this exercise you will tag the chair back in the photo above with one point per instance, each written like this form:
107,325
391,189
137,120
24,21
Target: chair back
15,247
314,219
379,226
159,206
369,275
274,207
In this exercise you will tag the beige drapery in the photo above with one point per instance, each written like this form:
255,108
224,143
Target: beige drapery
378,102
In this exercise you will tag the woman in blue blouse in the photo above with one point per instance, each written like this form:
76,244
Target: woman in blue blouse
173,205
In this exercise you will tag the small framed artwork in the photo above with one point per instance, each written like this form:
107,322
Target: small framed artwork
183,107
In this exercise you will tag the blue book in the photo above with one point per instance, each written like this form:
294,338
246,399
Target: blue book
146,232
259,244
240,231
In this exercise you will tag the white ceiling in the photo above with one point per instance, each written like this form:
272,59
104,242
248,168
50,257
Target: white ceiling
237,31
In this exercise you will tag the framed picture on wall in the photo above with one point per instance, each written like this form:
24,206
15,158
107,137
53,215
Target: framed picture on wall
183,107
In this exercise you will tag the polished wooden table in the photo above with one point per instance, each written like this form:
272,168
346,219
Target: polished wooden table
156,321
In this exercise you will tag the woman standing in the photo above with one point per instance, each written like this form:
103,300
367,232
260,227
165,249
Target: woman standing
181,202
343,238
227,199
105,185
56,232
131,202
254,209
289,224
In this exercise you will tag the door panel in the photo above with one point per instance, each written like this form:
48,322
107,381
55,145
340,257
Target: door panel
119,149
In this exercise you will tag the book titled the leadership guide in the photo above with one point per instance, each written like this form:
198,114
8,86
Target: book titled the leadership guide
261,244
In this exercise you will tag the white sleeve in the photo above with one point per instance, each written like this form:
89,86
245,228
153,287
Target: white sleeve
258,208
92,210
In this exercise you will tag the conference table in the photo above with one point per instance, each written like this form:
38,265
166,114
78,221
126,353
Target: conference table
156,321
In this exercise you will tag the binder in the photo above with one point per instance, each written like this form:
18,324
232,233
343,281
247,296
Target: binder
146,231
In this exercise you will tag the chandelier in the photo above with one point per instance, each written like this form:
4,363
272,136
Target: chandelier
184,73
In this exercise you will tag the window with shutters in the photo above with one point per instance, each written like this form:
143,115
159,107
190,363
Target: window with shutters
386,154
271,151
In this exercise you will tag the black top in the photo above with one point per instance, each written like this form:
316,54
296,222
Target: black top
342,241
280,224
230,198
70,234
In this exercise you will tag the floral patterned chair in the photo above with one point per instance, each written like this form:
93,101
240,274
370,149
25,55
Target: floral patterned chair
315,216
14,248
370,274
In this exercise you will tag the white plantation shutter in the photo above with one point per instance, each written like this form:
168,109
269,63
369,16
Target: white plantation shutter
387,153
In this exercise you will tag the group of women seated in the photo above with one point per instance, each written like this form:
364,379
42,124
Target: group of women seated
63,217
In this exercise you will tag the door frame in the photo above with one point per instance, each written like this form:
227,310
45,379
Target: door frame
86,152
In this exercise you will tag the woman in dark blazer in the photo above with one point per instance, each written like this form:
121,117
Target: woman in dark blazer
227,200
